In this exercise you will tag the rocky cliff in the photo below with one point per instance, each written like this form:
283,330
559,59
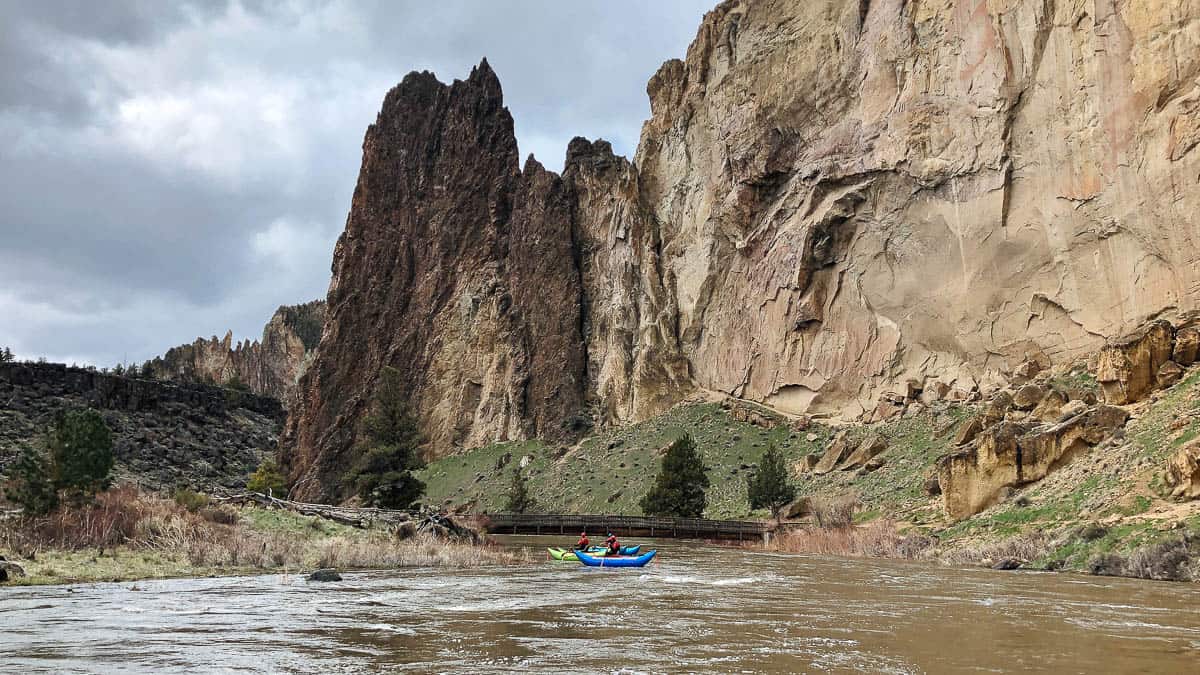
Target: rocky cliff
831,199
165,434
270,366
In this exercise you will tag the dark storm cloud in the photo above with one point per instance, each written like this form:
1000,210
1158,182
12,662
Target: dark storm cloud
169,170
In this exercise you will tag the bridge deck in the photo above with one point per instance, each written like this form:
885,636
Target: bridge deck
643,526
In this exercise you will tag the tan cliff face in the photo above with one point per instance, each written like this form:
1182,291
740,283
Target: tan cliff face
829,200
271,366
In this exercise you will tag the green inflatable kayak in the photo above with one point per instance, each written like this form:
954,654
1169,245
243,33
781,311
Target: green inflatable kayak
564,554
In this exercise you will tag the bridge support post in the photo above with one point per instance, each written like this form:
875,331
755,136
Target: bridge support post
766,537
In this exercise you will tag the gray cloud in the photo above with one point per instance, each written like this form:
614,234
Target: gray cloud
169,170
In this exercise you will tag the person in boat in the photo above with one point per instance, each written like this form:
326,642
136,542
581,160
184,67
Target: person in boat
583,543
614,546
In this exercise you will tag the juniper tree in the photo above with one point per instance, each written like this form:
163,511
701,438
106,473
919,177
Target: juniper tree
519,499
769,487
30,484
679,489
81,456
383,475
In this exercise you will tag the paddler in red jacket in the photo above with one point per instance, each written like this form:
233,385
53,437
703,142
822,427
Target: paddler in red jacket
583,542
614,546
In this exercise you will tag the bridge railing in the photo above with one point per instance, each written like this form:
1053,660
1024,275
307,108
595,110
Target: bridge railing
528,523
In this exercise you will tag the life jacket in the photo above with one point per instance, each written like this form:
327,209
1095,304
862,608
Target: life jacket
584,542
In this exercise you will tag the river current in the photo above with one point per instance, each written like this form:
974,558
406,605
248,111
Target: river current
711,610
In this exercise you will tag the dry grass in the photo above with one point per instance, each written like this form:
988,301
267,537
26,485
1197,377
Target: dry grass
1026,547
836,513
217,538
877,539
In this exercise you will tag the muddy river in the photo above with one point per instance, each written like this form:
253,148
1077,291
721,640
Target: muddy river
695,610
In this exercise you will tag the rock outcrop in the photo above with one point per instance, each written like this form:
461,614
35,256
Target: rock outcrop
1010,454
271,366
1183,472
830,200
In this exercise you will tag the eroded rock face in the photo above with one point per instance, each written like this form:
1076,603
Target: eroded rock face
457,268
1010,454
1183,472
1127,368
271,366
830,200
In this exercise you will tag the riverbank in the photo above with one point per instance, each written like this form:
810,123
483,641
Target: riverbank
127,535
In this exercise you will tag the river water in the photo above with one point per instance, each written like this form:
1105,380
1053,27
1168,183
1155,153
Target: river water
717,610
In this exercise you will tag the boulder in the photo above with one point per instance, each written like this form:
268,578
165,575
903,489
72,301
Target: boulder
10,570
800,507
1051,406
933,392
837,451
325,574
1071,409
1027,370
1028,396
1183,472
1187,345
806,464
1126,368
1168,374
1008,564
997,408
932,487
865,452
968,431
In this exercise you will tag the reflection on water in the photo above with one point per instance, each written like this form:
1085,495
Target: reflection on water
699,610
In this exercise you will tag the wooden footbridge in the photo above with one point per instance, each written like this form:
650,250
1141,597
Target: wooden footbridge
676,528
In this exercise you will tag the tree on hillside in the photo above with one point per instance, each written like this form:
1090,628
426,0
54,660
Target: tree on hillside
6,355
267,479
679,489
77,463
769,487
81,456
30,484
383,476
519,499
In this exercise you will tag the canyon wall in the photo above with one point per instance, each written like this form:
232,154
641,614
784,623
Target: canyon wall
831,198
271,366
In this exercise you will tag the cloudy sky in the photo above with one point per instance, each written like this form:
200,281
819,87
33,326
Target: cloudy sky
175,170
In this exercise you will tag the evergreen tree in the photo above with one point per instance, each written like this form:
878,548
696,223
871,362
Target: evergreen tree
769,487
6,355
268,480
681,483
383,475
81,457
519,499
30,484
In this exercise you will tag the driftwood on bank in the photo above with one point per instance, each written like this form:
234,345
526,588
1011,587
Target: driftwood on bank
404,523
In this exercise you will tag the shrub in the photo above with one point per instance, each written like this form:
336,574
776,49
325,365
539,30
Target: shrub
383,475
235,383
31,485
837,512
679,489
81,457
267,479
190,499
222,515
519,499
769,487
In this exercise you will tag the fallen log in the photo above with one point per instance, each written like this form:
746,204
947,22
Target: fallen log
404,523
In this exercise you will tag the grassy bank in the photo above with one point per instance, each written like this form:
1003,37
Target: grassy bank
127,535
1105,510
